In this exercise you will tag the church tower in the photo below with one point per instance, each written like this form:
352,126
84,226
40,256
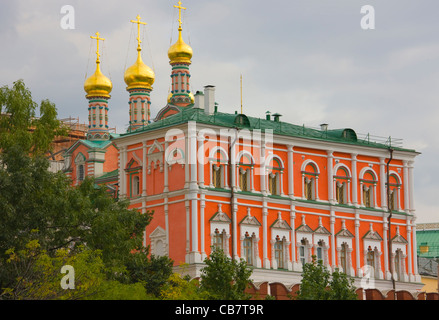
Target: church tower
98,88
180,55
139,79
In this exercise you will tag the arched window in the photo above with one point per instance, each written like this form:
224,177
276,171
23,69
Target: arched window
394,192
342,181
245,172
275,169
368,184
218,176
218,168
310,175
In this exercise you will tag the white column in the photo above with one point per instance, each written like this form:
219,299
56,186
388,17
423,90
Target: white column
357,244
202,230
263,171
405,177
333,243
383,181
354,180
122,173
386,248
330,177
290,174
266,261
201,161
409,249
166,173
144,169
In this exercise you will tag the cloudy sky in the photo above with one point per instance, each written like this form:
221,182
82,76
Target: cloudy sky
309,60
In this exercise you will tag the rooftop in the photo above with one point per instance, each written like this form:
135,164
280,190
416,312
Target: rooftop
242,121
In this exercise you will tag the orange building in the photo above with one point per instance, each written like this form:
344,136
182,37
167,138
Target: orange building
263,190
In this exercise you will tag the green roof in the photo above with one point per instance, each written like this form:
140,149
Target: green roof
345,135
109,175
428,238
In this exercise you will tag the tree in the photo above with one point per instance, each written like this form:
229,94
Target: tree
224,278
38,205
19,124
36,275
319,284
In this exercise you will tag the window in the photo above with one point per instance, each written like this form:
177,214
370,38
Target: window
392,200
370,261
217,176
279,253
398,264
218,240
344,257
310,176
81,172
243,179
368,183
340,192
135,186
319,254
302,254
309,187
272,183
275,167
367,197
320,251
248,250
303,251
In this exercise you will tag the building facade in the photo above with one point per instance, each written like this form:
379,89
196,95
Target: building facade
272,193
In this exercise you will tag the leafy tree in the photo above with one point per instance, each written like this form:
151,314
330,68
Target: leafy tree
319,284
224,278
153,272
38,205
19,124
182,288
36,275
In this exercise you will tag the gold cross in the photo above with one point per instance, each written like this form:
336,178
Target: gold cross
138,29
97,45
179,7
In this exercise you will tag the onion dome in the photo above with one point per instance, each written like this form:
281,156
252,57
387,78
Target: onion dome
180,52
98,84
139,75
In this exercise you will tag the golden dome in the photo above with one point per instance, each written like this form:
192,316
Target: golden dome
139,75
98,84
180,52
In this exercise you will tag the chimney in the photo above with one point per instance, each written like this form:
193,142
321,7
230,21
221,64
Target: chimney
199,100
267,115
324,127
209,99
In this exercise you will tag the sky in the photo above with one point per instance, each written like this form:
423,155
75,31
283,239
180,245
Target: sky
310,60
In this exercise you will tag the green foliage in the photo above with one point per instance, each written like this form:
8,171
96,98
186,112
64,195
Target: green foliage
19,124
36,275
38,206
115,290
224,278
178,288
319,284
153,272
